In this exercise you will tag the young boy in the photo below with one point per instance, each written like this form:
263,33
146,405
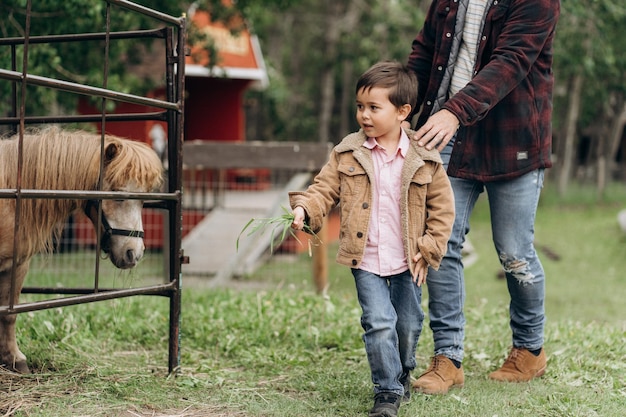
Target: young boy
397,211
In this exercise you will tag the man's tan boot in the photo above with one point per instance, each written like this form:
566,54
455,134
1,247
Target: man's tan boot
440,377
521,366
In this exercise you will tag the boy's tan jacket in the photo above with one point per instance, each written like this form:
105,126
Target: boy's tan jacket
427,202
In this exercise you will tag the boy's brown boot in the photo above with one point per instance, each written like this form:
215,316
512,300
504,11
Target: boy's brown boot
386,404
521,366
440,377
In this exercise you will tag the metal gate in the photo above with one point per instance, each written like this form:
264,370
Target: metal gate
170,111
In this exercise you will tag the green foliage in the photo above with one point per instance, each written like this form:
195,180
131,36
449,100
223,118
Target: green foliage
297,51
80,62
589,41
84,62
289,353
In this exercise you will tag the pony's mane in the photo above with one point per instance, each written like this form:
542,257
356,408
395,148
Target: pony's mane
55,159
134,162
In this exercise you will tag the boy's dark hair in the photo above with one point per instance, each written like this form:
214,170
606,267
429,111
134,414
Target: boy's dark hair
398,78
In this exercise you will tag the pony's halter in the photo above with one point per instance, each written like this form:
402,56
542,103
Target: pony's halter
95,204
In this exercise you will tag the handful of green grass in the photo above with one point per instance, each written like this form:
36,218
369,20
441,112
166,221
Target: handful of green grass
281,224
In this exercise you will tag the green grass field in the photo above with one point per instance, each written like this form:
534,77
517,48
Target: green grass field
283,351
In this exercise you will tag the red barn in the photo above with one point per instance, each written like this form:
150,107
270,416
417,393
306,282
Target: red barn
214,103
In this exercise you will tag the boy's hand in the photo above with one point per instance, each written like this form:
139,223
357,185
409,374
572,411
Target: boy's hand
298,221
420,270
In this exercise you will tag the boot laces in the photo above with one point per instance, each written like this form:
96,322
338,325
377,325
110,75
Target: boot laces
514,355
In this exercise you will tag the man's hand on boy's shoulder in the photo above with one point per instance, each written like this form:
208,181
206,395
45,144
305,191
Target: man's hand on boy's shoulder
438,130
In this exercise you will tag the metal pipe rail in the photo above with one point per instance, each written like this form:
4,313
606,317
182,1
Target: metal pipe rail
90,296
86,89
86,195
118,117
83,37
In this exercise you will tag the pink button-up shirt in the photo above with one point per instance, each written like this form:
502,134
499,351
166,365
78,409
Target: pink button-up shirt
384,251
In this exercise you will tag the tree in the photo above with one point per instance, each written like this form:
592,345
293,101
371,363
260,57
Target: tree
79,62
83,62
590,68
315,51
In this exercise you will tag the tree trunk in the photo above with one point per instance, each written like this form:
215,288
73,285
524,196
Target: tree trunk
339,21
571,121
327,85
609,138
616,131
347,96
602,170
327,79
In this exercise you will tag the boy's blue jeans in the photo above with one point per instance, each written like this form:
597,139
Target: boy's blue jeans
392,320
512,206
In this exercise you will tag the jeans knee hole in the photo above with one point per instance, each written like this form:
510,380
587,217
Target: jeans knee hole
519,269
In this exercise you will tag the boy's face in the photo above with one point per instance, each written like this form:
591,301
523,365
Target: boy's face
376,115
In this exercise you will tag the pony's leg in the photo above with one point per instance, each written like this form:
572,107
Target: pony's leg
11,357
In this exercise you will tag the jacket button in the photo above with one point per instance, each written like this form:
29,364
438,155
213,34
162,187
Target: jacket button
359,234
365,205
351,169
354,262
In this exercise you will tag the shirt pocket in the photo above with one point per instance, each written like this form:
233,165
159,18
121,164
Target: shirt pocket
419,184
498,12
496,18
443,7
353,178
422,178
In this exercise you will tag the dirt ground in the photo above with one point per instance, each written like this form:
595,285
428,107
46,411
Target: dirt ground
25,396
20,403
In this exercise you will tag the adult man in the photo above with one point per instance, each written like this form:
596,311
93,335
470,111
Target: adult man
485,86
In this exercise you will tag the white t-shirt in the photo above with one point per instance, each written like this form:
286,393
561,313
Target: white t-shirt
466,60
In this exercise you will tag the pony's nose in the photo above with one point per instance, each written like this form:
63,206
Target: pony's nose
132,257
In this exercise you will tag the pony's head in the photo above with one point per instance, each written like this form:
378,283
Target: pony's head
131,167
